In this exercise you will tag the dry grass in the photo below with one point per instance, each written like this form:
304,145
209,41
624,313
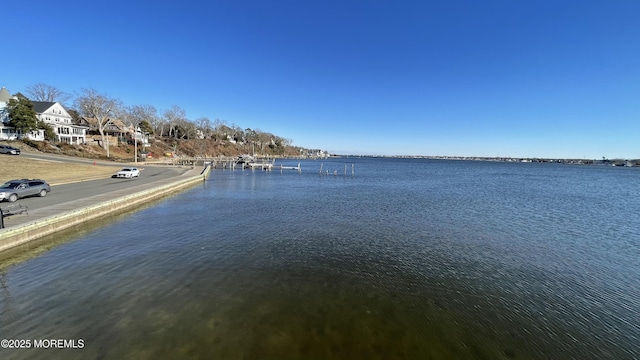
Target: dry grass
54,172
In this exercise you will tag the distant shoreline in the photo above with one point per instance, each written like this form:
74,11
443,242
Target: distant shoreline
610,162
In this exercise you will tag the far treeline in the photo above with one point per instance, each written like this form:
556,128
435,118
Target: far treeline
170,126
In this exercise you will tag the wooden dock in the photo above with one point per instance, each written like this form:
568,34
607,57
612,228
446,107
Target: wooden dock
232,163
296,168
270,166
260,165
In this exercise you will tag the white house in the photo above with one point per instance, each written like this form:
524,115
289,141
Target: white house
54,114
50,112
6,132
4,102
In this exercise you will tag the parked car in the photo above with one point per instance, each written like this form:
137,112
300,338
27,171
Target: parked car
16,189
128,173
6,149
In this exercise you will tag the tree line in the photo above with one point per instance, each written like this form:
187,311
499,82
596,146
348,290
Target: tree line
171,123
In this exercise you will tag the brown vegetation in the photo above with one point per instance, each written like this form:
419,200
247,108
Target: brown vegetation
54,172
178,147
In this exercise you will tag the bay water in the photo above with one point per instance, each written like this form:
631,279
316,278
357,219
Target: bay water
376,258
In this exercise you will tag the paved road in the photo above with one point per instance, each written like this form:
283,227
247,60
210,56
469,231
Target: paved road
74,191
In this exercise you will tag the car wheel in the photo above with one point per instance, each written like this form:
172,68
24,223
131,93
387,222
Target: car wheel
43,193
13,198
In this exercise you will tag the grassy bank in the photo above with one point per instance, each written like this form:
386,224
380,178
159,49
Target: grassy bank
20,167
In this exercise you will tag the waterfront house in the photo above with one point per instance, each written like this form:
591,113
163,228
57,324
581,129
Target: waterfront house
116,131
4,102
8,132
51,113
55,115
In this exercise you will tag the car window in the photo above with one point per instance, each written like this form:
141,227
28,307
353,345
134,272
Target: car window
9,185
35,183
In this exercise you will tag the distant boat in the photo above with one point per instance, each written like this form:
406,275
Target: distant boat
243,159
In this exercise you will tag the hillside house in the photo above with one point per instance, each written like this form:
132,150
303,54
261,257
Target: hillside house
8,132
116,131
55,115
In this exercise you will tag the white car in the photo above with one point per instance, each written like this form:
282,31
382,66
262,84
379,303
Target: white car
128,173
6,149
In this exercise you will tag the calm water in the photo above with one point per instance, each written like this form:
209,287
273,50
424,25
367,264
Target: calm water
408,259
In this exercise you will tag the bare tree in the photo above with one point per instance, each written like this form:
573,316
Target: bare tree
185,129
265,139
217,123
139,113
173,117
142,112
158,128
238,134
44,92
101,108
221,130
204,125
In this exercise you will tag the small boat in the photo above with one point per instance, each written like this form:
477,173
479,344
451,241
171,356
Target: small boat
244,159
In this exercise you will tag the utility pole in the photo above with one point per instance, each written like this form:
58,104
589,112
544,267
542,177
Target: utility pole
135,145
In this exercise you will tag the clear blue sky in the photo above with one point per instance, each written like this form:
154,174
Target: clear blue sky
472,78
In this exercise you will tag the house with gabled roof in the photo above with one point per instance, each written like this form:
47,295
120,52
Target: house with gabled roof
6,132
116,131
4,102
52,113
55,115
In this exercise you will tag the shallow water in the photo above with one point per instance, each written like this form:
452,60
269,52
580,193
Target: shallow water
409,258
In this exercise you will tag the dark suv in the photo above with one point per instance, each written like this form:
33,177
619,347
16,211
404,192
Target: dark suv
15,189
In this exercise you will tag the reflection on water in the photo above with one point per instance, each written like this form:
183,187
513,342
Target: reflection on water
408,259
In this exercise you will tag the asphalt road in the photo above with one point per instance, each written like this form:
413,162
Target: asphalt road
74,191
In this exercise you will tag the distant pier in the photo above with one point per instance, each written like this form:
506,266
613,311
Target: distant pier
249,162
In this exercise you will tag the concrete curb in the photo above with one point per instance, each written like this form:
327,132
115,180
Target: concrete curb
13,237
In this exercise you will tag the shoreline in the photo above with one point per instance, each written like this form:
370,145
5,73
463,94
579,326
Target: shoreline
48,221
